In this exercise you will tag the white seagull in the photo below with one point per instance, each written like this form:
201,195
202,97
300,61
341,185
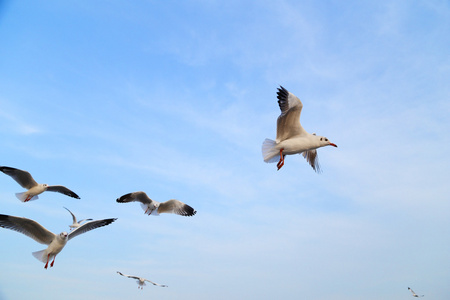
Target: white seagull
141,281
152,207
41,235
414,294
26,181
75,223
291,137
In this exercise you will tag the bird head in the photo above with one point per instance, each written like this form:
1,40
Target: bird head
63,235
325,142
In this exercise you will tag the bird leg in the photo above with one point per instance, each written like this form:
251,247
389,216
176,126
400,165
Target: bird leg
46,265
28,198
147,211
53,261
281,162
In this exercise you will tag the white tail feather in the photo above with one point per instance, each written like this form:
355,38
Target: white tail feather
40,255
23,196
270,154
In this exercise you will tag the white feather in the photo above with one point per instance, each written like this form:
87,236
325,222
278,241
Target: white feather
23,196
270,154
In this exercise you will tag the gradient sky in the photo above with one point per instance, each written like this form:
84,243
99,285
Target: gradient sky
175,98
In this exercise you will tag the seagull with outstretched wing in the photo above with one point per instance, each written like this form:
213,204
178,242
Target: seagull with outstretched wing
141,281
152,207
291,137
414,294
33,188
41,235
75,223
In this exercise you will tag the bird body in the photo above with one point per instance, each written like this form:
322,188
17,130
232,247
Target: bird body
56,245
141,281
32,193
34,189
152,207
292,138
41,235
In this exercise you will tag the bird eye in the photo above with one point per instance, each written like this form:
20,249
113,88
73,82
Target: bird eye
326,140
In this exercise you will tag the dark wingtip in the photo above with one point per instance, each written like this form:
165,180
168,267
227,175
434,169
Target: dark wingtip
282,96
121,199
189,211
5,169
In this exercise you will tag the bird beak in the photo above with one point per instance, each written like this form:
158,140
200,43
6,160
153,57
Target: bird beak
334,145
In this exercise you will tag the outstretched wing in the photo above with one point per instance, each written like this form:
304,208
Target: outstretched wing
135,196
63,190
74,219
28,227
89,226
21,177
288,123
129,276
154,283
176,207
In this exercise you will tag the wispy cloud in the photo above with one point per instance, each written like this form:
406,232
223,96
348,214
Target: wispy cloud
13,121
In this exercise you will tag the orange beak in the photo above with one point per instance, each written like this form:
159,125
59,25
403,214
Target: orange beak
334,145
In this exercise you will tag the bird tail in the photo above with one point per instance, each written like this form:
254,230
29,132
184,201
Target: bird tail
270,154
40,255
23,196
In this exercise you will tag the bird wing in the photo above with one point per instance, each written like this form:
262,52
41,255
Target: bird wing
312,159
135,196
411,290
21,177
154,283
129,276
176,207
74,219
288,123
81,221
63,190
89,226
28,227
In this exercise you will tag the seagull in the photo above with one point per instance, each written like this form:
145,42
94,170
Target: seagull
41,235
152,207
75,223
141,281
414,294
291,137
26,181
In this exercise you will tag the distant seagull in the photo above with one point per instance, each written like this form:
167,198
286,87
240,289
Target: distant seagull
26,181
414,294
152,207
291,137
141,281
76,224
41,235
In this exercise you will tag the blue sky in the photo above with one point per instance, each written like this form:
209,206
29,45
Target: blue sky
176,97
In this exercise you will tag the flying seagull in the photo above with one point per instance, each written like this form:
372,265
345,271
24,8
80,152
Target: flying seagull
41,235
152,207
26,181
141,281
414,294
291,137
75,223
